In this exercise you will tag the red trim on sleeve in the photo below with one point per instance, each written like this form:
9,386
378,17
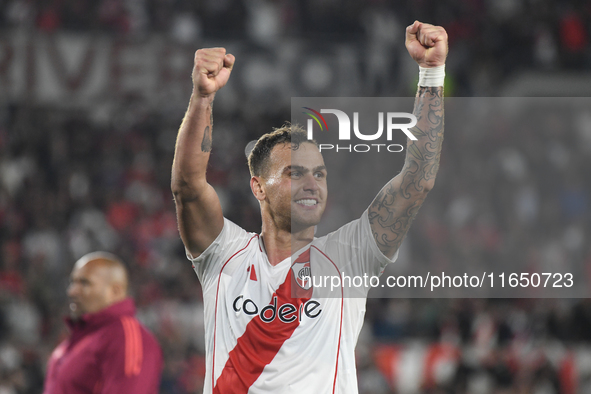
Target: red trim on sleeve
133,346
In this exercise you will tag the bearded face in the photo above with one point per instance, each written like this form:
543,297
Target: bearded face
295,187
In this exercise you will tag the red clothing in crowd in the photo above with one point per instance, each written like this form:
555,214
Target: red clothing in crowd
107,352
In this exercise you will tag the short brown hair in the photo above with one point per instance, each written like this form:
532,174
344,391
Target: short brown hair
258,159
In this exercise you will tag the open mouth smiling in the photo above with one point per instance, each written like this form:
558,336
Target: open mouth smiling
308,202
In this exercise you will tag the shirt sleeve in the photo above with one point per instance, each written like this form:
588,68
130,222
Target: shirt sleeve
132,360
356,249
231,239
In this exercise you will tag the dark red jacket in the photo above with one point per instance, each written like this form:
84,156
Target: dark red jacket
108,352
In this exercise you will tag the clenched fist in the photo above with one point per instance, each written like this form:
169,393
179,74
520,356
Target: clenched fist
211,71
426,44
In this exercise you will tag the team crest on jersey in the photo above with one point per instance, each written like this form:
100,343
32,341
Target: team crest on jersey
302,274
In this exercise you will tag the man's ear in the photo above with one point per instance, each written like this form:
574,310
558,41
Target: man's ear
117,292
257,187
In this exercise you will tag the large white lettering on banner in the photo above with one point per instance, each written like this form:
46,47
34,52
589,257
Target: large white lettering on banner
81,69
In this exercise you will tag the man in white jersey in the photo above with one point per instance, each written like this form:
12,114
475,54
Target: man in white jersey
267,331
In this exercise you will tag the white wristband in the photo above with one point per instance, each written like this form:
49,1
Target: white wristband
431,76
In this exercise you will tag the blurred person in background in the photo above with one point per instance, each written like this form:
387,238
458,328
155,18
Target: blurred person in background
259,337
109,350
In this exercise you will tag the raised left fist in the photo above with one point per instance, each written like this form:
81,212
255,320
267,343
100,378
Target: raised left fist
427,44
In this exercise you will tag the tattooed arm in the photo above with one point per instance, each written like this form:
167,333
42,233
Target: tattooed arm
394,208
199,213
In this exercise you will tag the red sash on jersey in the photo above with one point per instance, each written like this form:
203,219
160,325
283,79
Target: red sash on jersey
261,341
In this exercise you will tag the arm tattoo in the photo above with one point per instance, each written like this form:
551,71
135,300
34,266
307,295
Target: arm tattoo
206,142
395,207
211,114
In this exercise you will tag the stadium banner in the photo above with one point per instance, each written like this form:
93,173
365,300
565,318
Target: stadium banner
83,69
508,222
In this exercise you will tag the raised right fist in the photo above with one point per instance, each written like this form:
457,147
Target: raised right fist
427,44
211,71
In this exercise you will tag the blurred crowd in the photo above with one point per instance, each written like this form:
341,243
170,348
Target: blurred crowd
503,36
69,186
71,183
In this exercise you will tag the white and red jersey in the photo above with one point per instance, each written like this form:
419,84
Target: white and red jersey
259,339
